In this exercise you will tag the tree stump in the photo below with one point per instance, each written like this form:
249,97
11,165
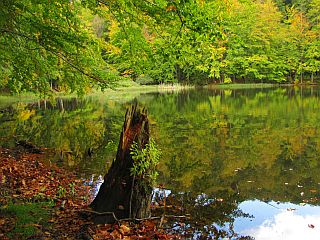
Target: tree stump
121,193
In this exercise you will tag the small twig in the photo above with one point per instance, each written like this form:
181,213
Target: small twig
132,219
271,205
89,233
161,221
138,219
101,213
152,218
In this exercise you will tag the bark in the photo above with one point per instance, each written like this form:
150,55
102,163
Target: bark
122,193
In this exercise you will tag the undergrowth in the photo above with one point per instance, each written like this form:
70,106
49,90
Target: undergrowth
27,217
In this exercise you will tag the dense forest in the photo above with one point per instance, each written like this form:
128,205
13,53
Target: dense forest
78,45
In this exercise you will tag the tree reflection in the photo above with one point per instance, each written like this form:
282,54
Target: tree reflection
74,130
208,216
233,145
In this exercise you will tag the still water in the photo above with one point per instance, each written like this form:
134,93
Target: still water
240,162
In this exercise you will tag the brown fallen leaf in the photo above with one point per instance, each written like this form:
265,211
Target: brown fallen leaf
116,234
310,225
124,229
291,209
33,225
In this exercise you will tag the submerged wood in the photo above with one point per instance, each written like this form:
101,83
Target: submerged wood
121,193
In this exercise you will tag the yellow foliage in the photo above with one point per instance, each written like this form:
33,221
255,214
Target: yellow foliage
227,92
113,49
114,28
26,114
201,2
203,107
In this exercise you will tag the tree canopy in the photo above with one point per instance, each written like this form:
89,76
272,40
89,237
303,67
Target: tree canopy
46,44
76,45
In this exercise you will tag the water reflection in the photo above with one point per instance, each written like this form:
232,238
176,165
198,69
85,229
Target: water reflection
279,221
204,216
73,130
245,147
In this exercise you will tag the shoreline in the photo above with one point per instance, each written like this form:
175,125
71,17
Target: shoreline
40,200
127,91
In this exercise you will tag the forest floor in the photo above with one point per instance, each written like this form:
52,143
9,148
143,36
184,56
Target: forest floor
39,200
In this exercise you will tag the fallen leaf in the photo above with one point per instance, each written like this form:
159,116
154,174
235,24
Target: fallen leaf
116,234
124,229
310,225
3,180
291,209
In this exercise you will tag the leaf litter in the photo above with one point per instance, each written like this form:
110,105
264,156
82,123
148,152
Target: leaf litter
26,177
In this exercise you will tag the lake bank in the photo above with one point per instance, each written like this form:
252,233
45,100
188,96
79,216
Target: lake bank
40,200
123,91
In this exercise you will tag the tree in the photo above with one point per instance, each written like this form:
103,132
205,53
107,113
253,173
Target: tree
77,45
127,187
45,45
312,63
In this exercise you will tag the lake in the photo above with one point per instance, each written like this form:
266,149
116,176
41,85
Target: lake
238,162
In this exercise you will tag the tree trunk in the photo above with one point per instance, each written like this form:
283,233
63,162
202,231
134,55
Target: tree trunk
122,193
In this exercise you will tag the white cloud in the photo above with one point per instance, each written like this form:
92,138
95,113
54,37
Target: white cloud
287,225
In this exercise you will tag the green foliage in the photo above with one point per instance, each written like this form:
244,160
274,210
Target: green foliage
72,189
197,41
145,80
80,45
46,46
61,192
145,161
227,80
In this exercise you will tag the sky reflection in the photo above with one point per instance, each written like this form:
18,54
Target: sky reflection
279,221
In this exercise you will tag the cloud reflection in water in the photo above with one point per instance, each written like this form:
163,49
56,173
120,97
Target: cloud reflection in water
285,221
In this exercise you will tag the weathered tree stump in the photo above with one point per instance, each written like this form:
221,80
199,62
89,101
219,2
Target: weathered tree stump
121,193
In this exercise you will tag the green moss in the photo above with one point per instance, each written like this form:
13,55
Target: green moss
27,216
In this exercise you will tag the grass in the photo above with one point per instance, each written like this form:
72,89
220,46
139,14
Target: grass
28,216
241,85
123,91
6,100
